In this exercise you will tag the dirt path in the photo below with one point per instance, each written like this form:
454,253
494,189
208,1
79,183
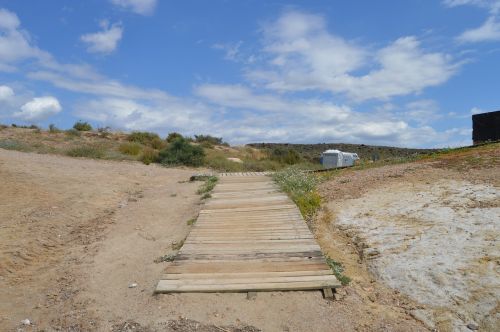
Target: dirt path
76,233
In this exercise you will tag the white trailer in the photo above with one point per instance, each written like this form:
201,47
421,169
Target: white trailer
337,158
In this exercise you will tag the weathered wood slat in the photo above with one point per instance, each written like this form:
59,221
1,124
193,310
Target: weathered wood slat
249,237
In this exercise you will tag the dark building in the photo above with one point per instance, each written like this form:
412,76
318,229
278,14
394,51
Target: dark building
486,127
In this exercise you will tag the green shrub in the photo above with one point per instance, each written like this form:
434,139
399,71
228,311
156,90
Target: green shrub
308,203
209,140
261,165
9,144
73,133
285,156
53,129
158,143
149,155
95,152
301,187
82,126
180,152
338,270
143,137
130,148
208,185
172,136
222,164
25,127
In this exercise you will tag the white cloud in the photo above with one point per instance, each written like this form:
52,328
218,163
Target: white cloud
143,7
422,111
286,119
104,41
8,20
477,110
492,5
6,93
232,50
304,55
15,44
489,31
39,109
237,96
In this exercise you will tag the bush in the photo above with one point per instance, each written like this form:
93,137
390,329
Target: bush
301,187
172,136
25,127
73,133
87,152
143,137
104,132
157,143
285,156
82,126
149,155
181,152
2,126
14,145
130,148
338,270
209,140
222,164
208,186
53,129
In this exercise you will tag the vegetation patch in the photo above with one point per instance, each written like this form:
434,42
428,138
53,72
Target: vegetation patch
181,152
82,126
209,141
338,270
73,133
149,155
9,144
301,187
173,136
53,129
130,148
191,221
177,245
143,137
165,258
208,185
95,152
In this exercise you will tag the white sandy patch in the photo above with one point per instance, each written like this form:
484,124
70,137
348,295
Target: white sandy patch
438,243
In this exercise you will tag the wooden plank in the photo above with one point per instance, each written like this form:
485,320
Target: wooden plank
249,237
245,274
221,288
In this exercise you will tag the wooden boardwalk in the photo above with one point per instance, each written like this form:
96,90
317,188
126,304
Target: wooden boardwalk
249,237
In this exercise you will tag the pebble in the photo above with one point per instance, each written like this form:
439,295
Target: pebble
472,326
26,321
132,285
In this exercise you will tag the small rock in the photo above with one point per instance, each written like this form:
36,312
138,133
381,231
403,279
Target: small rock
26,321
251,295
132,285
472,326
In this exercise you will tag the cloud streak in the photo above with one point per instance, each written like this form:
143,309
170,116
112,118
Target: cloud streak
302,55
104,41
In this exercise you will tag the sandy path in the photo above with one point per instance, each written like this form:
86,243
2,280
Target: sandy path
75,233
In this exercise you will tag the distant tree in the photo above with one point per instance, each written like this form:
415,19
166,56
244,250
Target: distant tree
82,126
181,152
172,136
209,140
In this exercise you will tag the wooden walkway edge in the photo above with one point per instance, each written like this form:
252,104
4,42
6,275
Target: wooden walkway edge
249,237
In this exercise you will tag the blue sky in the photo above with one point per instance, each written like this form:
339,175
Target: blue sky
403,73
